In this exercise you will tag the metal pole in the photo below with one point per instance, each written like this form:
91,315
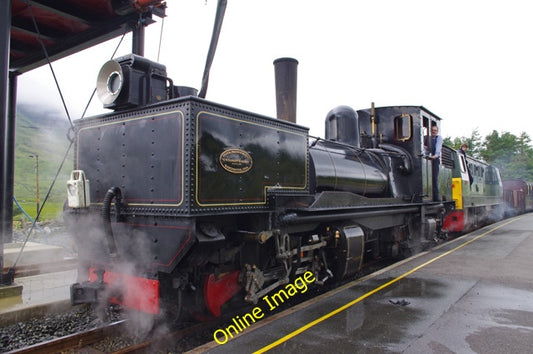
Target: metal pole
36,182
10,155
138,37
5,222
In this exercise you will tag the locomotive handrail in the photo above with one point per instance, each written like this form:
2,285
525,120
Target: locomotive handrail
317,139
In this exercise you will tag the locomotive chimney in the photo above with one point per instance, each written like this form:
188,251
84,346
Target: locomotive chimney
286,72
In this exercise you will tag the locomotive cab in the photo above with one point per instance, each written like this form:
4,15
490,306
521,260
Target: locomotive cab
403,131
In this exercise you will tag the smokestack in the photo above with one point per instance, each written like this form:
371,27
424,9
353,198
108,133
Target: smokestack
286,74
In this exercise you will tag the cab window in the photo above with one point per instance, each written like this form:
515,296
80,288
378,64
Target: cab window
402,127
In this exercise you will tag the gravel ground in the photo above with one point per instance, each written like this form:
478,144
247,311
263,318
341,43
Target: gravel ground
48,327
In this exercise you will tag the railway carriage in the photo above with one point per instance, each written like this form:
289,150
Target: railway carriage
518,196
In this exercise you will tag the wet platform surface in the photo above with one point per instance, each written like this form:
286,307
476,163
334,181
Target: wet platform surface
39,290
471,295
49,285
45,270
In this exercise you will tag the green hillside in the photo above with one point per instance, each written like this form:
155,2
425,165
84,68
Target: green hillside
40,133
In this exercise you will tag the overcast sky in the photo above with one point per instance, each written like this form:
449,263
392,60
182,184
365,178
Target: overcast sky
468,61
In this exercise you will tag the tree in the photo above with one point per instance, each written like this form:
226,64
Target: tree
474,143
511,154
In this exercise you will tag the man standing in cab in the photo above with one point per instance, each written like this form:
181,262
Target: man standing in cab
435,150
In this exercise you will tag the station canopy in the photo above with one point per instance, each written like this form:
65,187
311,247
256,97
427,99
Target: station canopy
65,27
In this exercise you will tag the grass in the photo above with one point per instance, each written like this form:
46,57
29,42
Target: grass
37,134
51,211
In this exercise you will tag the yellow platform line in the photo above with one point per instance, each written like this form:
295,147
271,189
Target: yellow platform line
372,292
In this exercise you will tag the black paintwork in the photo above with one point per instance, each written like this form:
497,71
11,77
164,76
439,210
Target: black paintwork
167,158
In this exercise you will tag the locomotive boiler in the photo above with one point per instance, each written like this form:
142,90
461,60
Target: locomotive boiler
180,205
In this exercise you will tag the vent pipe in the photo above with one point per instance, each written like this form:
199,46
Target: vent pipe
286,74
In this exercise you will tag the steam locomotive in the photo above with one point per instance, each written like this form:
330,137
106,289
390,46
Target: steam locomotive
182,205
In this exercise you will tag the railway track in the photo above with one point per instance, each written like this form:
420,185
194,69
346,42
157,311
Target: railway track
117,338
75,341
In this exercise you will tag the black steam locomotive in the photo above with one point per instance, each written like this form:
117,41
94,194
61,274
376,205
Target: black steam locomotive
179,204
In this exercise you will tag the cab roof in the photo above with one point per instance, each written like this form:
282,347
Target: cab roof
65,27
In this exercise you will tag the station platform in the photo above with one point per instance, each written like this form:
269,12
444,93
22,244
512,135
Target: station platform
45,283
40,294
473,294
34,253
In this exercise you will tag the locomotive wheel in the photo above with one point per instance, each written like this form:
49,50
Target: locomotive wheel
405,251
283,246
